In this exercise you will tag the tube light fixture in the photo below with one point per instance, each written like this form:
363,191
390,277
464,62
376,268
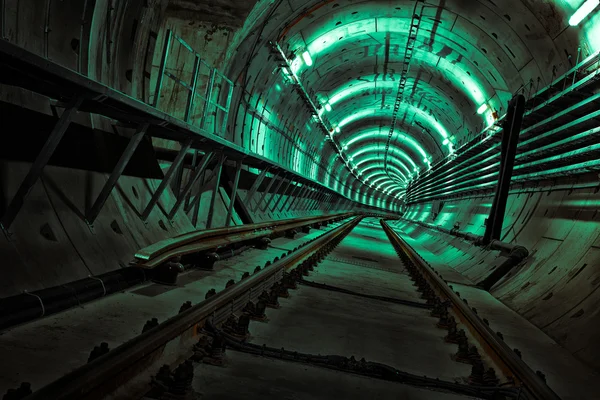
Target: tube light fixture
583,11
307,59
446,141
337,129
328,107
484,106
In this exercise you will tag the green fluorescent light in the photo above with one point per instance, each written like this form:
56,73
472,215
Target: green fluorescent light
484,106
583,11
328,107
446,141
307,59
337,129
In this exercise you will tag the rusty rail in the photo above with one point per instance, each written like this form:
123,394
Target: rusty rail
126,371
151,256
500,352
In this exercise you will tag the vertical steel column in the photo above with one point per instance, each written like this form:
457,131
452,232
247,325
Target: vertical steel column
194,165
166,180
265,192
291,196
236,182
162,67
510,138
196,209
257,182
194,175
211,209
298,196
192,95
309,199
116,173
40,162
283,178
282,194
208,94
316,201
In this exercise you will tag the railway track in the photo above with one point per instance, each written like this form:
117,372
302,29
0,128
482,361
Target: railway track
354,312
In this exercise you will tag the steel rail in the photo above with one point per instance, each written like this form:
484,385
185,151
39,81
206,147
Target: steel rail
126,371
164,246
496,347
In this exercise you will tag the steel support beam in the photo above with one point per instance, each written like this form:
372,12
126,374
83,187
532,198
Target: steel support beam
291,196
510,139
265,192
166,180
314,200
300,195
236,182
257,182
281,196
211,210
111,182
191,182
40,162
196,206
267,202
317,201
303,206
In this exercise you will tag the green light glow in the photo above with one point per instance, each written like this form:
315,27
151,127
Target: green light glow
328,107
307,59
583,11
482,109
379,150
394,170
379,170
382,134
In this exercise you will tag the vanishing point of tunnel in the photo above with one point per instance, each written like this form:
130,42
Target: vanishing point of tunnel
299,199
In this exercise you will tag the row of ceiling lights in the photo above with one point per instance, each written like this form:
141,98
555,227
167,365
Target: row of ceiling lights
582,12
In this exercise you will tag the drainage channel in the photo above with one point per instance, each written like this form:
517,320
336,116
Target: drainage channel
338,329
127,371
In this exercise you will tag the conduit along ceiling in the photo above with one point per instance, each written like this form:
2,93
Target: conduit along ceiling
379,91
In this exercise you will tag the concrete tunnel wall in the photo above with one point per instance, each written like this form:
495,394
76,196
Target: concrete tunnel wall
50,243
119,43
556,288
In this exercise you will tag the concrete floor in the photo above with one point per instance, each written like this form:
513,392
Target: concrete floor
257,377
31,352
566,375
324,322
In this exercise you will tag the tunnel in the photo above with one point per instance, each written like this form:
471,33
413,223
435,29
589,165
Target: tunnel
342,198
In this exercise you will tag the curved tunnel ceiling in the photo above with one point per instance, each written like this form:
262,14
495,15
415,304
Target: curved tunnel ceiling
468,60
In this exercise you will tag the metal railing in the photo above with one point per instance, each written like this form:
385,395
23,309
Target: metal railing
208,108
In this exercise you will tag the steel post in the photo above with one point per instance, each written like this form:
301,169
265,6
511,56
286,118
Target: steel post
291,196
300,195
166,180
282,195
257,182
40,162
510,139
196,206
133,144
192,95
188,187
309,200
236,182
265,192
162,67
283,178
213,199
